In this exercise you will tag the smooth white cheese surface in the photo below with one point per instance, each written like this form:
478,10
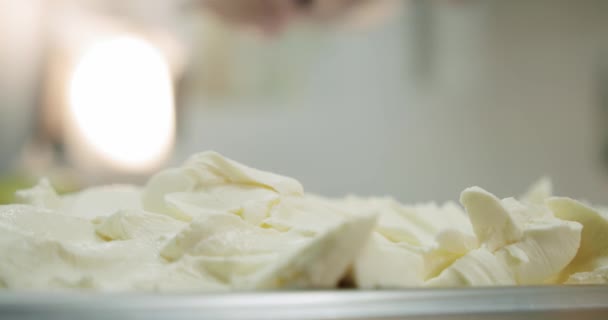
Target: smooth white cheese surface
212,224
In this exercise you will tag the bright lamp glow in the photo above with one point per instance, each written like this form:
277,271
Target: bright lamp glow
121,100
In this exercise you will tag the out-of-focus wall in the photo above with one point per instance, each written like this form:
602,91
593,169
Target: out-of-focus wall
508,92
446,95
20,45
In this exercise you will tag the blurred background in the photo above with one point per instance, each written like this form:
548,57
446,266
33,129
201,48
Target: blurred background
417,99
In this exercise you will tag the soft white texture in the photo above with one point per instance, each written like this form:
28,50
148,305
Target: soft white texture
497,242
410,244
591,262
212,224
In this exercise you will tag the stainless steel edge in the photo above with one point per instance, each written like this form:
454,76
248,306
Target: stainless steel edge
479,303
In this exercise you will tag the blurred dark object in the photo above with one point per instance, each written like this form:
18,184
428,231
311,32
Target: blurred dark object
274,16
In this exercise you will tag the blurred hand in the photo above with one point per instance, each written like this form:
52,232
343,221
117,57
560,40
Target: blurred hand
272,16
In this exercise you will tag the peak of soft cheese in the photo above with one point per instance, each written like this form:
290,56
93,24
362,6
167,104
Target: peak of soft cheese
212,168
173,191
525,237
592,257
492,222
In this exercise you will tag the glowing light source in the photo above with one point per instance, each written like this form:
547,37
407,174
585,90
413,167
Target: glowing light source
121,102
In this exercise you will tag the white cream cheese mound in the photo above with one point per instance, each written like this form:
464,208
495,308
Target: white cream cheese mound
212,224
590,266
524,239
497,242
410,244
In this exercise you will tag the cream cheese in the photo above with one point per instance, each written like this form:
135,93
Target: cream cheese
410,244
497,242
527,238
212,224
591,262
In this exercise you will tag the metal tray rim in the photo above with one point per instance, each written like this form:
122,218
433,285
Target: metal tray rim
465,303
